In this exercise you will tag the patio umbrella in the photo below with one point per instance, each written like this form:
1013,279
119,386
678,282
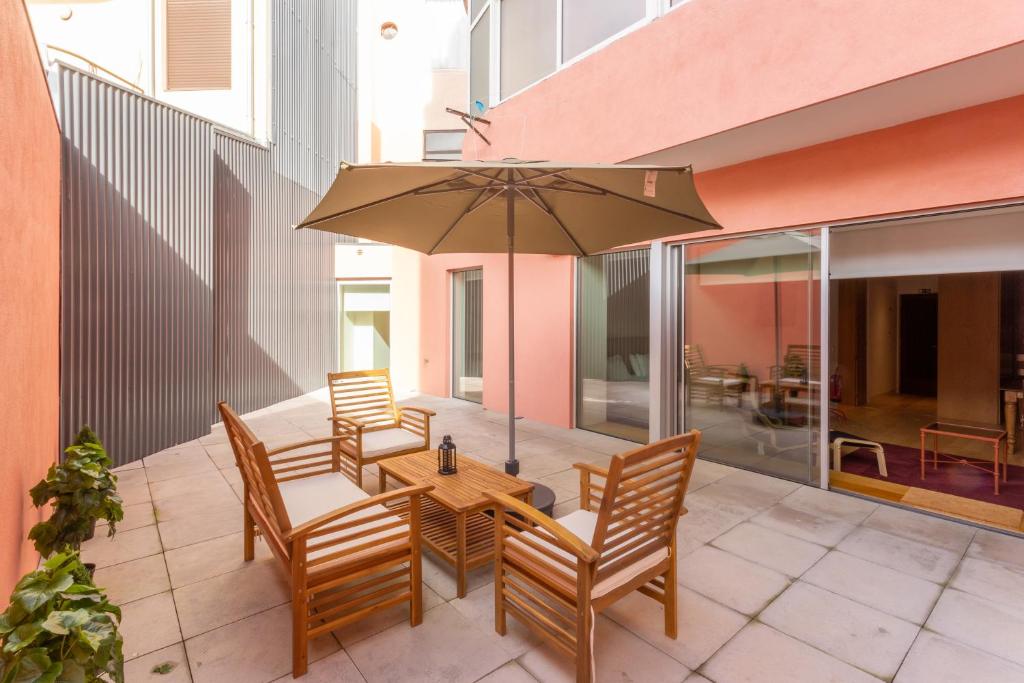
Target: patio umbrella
510,207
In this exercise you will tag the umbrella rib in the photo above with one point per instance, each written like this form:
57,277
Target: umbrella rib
613,193
384,200
543,206
465,212
469,188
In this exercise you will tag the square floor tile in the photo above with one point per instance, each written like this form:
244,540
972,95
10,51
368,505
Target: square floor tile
830,504
910,557
703,522
190,485
732,581
509,673
141,669
759,654
826,531
257,649
857,634
920,527
201,526
123,547
445,647
188,462
620,656
770,548
989,580
148,625
704,625
440,576
335,668
935,659
747,491
478,607
996,547
135,517
133,580
988,625
212,603
207,559
887,590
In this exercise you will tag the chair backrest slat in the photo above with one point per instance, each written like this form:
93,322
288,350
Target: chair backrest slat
642,500
364,395
258,476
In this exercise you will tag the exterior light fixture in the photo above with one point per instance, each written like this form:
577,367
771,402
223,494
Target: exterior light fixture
66,14
446,456
388,30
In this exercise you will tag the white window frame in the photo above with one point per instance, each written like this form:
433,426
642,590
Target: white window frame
653,10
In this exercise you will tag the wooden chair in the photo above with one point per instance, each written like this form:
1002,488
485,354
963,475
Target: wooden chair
372,427
555,576
710,382
347,554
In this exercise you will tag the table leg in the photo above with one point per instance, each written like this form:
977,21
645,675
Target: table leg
1010,414
995,472
922,455
1006,459
382,481
460,554
935,451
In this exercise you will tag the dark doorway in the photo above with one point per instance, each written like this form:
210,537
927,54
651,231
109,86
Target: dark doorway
919,343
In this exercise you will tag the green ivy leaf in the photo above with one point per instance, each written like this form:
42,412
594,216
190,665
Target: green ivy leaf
61,622
40,589
21,637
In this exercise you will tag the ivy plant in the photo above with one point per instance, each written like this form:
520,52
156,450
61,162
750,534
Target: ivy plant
82,490
60,628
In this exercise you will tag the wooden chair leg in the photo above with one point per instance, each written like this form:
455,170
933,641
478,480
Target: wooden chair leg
359,472
416,566
299,634
671,602
500,625
248,535
584,624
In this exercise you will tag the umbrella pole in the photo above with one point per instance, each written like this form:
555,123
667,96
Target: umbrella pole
511,465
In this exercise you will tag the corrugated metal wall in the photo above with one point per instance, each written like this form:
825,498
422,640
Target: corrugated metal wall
182,281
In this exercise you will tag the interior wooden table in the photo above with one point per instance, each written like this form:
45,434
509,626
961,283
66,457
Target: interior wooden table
453,523
992,435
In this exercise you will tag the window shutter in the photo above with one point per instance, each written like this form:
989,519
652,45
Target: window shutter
198,44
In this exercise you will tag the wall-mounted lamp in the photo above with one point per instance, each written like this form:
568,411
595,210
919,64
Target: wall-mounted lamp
388,30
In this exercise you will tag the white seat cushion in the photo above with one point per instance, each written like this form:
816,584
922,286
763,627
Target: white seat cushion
582,524
390,441
311,497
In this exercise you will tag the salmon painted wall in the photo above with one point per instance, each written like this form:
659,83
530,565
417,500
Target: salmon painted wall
544,301
710,66
29,280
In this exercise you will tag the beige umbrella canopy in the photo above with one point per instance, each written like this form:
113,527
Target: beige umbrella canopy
510,206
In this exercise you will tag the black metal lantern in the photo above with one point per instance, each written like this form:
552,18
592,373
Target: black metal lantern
446,456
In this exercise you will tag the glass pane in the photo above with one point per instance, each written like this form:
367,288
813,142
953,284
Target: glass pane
614,344
365,327
476,6
479,62
467,335
585,23
751,354
527,43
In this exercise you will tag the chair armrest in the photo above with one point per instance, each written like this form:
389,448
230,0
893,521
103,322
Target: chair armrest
587,496
414,409
303,444
306,528
350,421
564,538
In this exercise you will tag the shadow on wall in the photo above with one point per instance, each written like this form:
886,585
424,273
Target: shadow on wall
143,359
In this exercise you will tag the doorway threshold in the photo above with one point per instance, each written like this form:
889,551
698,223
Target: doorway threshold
991,515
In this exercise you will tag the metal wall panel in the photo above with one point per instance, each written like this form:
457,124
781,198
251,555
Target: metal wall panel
182,280
136,268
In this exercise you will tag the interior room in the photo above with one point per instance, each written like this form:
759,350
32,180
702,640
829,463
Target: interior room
926,375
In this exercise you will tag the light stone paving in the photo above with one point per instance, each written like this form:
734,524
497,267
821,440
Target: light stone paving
779,582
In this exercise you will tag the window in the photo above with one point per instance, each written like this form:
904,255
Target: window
365,332
586,23
480,61
198,44
613,344
528,48
442,145
468,334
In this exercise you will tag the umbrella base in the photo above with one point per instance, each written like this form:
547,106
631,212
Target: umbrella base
512,467
543,499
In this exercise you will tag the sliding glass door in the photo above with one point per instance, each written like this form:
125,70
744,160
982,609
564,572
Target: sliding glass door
467,334
613,344
751,353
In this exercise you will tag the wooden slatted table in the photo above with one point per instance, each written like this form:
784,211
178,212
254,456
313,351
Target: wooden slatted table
453,523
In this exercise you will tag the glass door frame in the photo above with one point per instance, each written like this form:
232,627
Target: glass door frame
451,331
668,301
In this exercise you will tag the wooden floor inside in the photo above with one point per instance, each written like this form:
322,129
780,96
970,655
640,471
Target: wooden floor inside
989,514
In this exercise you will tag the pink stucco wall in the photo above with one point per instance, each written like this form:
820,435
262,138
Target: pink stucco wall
29,282
711,66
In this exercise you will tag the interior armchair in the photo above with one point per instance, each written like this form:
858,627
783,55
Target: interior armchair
556,576
369,423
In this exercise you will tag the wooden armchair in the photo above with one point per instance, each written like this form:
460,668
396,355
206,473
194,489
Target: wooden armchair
347,554
555,576
369,423
711,382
